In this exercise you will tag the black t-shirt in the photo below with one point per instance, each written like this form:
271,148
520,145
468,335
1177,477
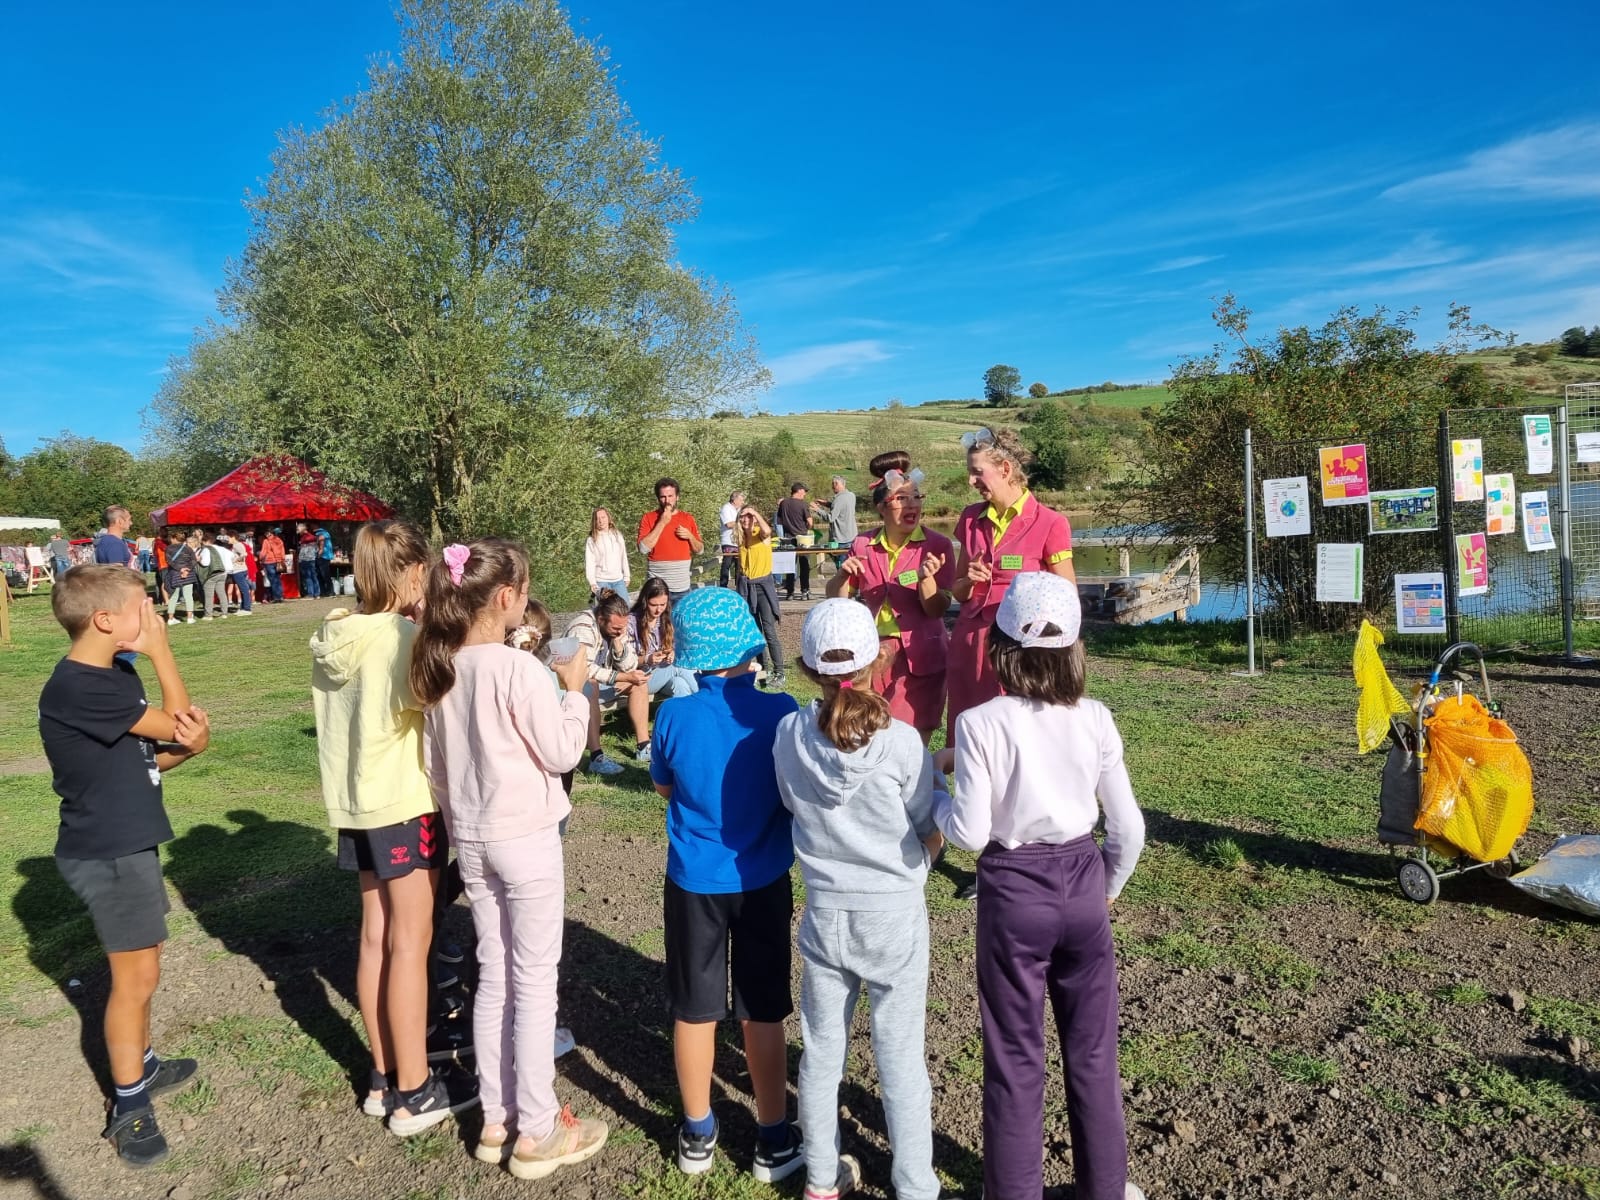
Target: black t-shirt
794,515
106,777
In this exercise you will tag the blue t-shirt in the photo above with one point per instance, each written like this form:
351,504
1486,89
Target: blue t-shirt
109,548
727,829
324,545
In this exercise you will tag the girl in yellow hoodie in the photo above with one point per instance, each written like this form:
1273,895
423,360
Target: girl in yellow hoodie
369,749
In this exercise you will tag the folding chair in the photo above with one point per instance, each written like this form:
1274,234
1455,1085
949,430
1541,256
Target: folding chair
39,568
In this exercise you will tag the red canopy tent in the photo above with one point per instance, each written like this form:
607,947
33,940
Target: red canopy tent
272,488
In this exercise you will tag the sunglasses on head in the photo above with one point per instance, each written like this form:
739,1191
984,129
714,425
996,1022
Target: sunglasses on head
976,438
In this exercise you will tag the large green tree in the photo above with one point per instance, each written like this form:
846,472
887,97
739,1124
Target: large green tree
1000,384
462,292
74,478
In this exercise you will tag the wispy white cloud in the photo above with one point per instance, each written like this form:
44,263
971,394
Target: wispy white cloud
805,285
1561,164
74,254
832,358
1183,263
1423,251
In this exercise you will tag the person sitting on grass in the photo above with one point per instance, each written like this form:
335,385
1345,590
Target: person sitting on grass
728,860
107,749
614,674
650,632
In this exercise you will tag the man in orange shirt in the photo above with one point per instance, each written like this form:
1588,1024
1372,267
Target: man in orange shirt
669,540
271,564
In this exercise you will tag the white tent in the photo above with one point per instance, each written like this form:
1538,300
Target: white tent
29,523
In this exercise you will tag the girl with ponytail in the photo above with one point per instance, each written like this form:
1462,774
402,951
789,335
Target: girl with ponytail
860,786
497,737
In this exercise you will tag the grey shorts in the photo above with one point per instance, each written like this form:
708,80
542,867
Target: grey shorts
126,899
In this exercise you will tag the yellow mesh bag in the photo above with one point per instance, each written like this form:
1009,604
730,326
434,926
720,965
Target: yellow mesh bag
1477,786
1380,700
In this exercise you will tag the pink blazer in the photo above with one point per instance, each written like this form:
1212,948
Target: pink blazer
923,639
1034,535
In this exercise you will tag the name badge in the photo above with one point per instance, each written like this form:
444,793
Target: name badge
906,579
1011,562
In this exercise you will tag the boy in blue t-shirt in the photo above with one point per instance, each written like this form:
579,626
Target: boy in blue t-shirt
728,857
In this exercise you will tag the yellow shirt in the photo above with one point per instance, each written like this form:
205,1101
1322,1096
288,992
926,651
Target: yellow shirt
755,557
887,625
1002,521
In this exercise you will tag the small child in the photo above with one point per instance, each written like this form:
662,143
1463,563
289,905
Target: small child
728,859
107,749
498,735
757,587
861,787
1034,769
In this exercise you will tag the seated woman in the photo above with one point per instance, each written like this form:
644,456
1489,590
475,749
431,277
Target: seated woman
650,632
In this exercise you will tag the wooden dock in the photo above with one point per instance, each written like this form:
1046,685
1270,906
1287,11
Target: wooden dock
1132,599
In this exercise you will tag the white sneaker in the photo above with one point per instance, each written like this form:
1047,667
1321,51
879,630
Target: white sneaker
642,754
243,612
190,621
565,1042
601,765
172,620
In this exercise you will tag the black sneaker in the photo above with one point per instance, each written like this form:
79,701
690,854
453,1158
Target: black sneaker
696,1155
137,1137
450,1041
970,892
778,1162
443,1095
173,1073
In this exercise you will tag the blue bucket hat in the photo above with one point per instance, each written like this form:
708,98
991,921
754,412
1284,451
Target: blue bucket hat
712,630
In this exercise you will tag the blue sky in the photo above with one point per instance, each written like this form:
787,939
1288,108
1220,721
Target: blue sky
899,194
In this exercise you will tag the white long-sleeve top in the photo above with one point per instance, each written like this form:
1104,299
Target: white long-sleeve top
605,557
1027,771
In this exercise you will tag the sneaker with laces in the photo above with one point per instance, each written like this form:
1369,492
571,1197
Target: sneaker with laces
599,764
848,1180
776,1162
565,1042
437,1100
642,754
137,1137
171,1074
696,1154
571,1141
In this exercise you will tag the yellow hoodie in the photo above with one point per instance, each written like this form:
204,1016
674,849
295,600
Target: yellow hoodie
369,725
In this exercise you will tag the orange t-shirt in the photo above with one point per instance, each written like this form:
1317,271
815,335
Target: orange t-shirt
671,547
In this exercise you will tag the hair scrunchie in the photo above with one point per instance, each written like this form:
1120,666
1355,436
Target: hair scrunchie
455,558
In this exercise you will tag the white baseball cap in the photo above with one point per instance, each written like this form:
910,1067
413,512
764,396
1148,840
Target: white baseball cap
1036,600
839,624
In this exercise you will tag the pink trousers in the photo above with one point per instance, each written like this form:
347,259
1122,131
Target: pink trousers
517,891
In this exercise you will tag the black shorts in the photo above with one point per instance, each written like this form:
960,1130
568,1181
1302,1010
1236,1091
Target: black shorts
126,898
698,930
394,851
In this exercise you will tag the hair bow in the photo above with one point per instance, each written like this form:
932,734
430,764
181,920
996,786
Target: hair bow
455,558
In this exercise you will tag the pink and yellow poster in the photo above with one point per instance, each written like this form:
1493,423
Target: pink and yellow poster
1344,474
1472,564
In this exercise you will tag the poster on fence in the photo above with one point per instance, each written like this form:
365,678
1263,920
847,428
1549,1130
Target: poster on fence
1541,445
1344,474
1588,447
1472,564
1466,468
1405,510
1419,602
1500,503
1537,532
1287,504
1339,572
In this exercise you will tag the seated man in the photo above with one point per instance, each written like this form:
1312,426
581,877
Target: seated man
614,672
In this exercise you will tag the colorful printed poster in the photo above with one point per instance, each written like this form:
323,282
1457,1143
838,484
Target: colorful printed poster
1466,468
1541,445
1339,572
1406,510
1588,447
1500,505
1537,532
1344,474
1472,564
1419,602
1287,505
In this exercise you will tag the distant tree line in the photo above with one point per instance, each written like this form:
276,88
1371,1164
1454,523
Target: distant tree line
1581,343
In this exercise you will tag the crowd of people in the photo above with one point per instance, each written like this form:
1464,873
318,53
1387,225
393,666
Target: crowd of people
449,718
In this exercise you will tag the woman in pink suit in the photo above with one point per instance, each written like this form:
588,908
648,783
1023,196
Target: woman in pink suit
1004,534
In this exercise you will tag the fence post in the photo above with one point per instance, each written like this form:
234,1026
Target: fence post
1249,554
1565,514
1447,531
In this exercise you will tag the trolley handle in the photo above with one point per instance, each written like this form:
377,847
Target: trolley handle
1454,650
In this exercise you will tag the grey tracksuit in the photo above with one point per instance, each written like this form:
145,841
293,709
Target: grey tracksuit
859,820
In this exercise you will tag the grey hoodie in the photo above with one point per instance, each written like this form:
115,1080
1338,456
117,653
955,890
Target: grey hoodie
859,817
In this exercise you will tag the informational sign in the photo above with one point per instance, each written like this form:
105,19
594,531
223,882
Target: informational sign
1472,564
1344,474
1419,602
783,563
1466,469
1588,446
1537,532
1500,503
1287,505
1406,510
1541,445
1339,572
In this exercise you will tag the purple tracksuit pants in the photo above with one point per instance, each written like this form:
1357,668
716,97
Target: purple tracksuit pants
1043,929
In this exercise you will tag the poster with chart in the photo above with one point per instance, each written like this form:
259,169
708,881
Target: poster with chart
1537,532
1419,602
1541,445
1466,469
1405,510
1339,572
1287,505
1472,564
1344,474
1500,503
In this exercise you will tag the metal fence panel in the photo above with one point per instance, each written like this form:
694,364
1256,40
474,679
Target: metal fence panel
1583,416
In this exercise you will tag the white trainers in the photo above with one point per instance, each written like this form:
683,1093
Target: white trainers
172,620
190,621
243,612
565,1042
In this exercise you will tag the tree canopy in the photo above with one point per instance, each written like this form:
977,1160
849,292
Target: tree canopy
1000,384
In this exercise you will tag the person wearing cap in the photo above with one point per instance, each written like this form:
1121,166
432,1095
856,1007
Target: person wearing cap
860,786
1005,533
728,858
904,573
1035,769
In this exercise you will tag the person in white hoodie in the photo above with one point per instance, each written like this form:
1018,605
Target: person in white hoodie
861,787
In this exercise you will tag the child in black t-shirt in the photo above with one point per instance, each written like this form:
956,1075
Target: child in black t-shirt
107,749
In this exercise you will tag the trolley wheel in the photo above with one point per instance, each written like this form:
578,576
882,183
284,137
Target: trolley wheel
1506,867
1418,881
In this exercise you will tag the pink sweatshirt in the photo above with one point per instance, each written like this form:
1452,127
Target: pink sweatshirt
496,745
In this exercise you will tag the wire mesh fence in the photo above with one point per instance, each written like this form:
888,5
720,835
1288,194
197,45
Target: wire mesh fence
1583,417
